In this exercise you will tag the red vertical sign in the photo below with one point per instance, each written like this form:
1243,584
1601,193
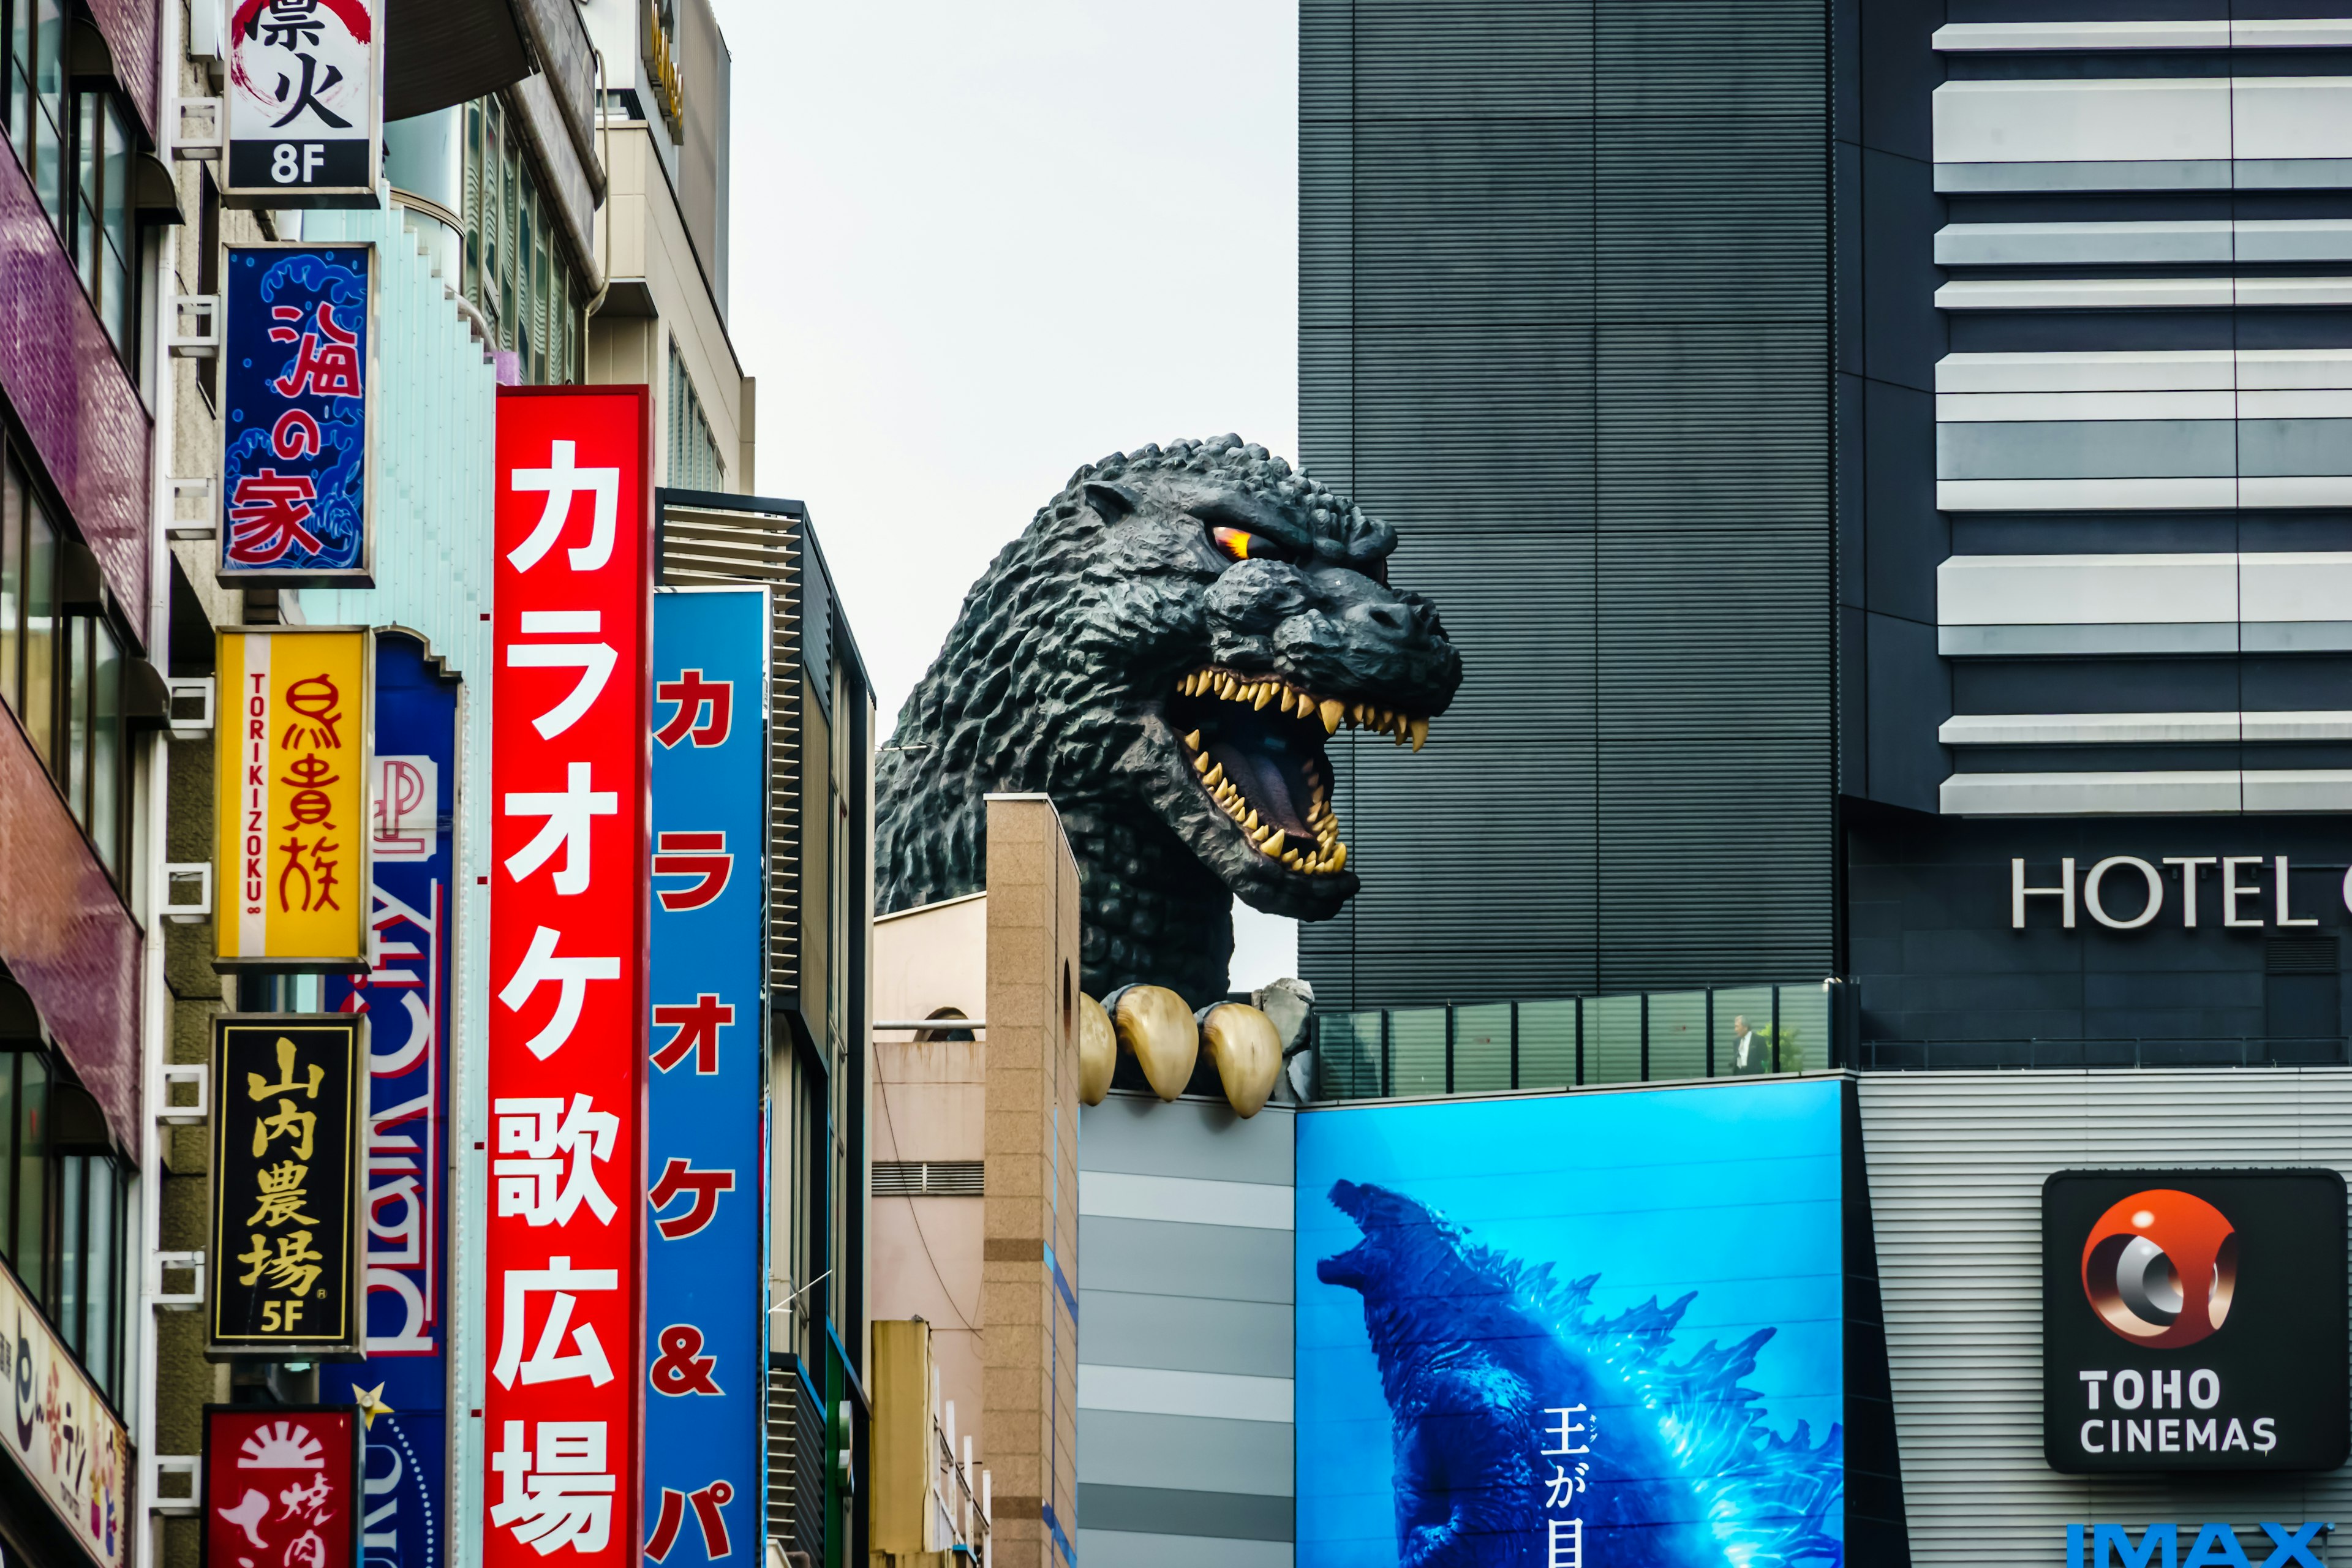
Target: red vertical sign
282,1486
563,1402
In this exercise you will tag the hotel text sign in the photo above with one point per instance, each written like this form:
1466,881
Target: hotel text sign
2125,892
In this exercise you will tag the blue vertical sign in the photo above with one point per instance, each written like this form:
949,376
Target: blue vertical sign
705,1350
298,340
401,1387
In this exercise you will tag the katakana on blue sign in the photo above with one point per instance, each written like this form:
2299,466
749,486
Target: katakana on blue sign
705,1324
402,1388
297,333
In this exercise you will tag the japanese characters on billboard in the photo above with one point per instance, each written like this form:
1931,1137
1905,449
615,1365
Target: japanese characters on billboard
305,103
401,1387
706,1344
285,1185
290,761
297,367
281,1486
60,1435
563,1398
1573,1330
2193,1320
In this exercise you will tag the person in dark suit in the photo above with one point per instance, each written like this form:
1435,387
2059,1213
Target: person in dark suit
1750,1050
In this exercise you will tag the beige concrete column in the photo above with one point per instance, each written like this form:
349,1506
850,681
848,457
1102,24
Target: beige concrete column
1029,1276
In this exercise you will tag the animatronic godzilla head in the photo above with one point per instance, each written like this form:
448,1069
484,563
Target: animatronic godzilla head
1164,652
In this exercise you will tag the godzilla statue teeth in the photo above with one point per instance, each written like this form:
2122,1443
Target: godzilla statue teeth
1164,652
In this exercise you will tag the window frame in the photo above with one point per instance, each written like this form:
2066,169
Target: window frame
67,1168
72,642
92,140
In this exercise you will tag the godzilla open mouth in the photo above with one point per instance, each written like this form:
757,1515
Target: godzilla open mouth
1255,745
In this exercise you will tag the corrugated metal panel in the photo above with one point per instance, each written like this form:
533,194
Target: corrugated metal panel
701,544
1563,303
1189,1303
1956,1164
796,1452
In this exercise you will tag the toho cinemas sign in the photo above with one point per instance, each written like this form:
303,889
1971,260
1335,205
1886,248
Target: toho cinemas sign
2125,892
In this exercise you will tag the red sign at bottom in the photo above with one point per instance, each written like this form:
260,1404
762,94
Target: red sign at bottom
282,1486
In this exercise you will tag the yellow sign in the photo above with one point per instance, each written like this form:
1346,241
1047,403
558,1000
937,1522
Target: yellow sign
290,877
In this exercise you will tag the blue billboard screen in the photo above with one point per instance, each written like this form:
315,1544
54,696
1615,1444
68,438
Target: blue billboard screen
1592,1328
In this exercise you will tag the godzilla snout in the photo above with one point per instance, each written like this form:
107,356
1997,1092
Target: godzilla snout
1340,1270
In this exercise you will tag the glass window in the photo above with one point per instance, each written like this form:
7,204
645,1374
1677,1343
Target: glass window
70,1308
40,626
1612,1039
1417,1050
101,215
1743,1030
89,145
48,79
114,224
7,1151
104,1285
1677,1035
107,751
1481,1048
20,78
77,707
30,1253
1547,1044
12,577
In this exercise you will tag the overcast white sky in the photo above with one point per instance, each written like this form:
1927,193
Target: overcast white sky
975,246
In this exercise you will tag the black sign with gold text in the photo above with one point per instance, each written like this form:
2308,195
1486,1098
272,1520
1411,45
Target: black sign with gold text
284,1272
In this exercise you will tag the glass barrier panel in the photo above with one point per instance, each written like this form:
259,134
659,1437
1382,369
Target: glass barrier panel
1677,1035
1417,1051
1804,1037
1547,1044
1481,1048
1612,1039
1347,1055
1743,1031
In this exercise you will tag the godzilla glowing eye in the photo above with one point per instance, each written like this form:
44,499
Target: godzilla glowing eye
1239,543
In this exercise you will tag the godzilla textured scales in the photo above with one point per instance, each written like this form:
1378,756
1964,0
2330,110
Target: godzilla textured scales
1165,652
1680,1470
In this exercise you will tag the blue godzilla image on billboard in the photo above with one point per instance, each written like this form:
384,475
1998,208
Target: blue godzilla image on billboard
1596,1330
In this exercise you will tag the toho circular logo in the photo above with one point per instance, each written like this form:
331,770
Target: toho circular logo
2161,1267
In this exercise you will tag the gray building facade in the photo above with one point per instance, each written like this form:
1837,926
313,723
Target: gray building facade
1564,313
1886,466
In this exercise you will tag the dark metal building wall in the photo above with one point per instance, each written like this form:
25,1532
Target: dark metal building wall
1564,320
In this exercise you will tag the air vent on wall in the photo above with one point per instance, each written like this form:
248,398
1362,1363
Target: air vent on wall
2300,955
927,1179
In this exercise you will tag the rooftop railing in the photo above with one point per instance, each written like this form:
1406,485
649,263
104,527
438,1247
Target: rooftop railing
1726,1031
1642,1037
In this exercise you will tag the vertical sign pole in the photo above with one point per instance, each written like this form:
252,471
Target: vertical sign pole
563,1398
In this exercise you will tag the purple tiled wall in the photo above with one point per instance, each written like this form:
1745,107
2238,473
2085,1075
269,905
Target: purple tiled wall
63,381
131,31
66,938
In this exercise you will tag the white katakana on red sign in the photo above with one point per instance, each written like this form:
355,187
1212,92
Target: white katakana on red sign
568,854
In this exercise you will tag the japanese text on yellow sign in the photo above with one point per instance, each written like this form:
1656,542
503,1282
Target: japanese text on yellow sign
292,740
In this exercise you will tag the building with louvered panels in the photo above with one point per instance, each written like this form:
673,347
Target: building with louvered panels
1888,467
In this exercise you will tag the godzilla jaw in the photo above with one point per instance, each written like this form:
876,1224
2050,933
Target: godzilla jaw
1255,745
